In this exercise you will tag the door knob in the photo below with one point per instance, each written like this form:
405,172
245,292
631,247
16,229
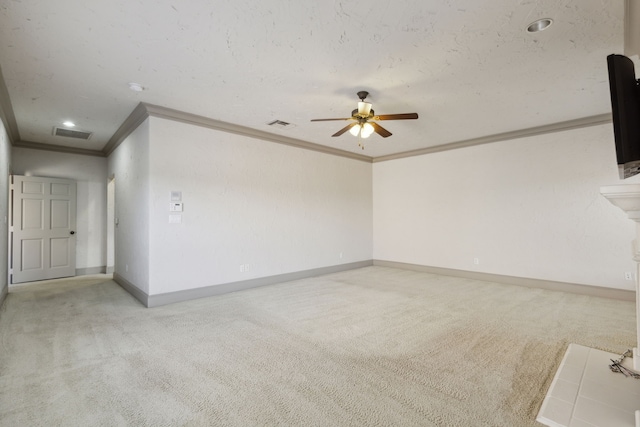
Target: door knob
72,232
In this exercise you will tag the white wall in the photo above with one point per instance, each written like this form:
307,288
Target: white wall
528,208
129,167
90,173
277,208
5,163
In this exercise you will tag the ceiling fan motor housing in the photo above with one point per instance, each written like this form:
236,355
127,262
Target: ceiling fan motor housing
356,114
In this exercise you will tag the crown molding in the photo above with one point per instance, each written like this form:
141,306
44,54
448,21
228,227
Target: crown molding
6,112
143,110
58,148
193,119
131,123
522,133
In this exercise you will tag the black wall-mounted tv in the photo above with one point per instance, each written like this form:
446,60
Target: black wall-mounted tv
625,106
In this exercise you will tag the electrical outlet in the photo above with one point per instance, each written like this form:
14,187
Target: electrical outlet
628,275
476,261
340,255
241,268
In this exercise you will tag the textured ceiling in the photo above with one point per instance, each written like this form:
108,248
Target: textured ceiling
468,68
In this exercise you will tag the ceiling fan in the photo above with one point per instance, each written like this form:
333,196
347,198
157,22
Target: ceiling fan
364,120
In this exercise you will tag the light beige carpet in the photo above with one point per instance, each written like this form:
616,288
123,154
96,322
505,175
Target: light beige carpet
368,347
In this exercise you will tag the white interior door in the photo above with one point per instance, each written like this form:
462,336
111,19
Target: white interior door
43,228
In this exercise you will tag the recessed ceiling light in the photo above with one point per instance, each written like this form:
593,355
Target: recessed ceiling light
136,87
69,124
539,25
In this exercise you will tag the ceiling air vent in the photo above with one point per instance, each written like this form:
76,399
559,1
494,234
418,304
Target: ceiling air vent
280,124
78,134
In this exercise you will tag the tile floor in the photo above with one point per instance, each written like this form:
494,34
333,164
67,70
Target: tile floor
586,393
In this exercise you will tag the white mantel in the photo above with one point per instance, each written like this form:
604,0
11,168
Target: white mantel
627,198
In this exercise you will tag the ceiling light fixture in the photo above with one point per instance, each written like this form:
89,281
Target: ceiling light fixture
69,124
363,130
539,25
136,87
366,120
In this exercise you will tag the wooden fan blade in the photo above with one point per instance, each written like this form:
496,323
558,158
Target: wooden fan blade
326,120
344,129
405,116
380,130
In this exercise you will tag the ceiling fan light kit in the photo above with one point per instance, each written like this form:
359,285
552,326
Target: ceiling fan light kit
363,130
365,120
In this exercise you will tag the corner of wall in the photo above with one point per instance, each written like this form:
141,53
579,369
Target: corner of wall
5,166
132,289
128,166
